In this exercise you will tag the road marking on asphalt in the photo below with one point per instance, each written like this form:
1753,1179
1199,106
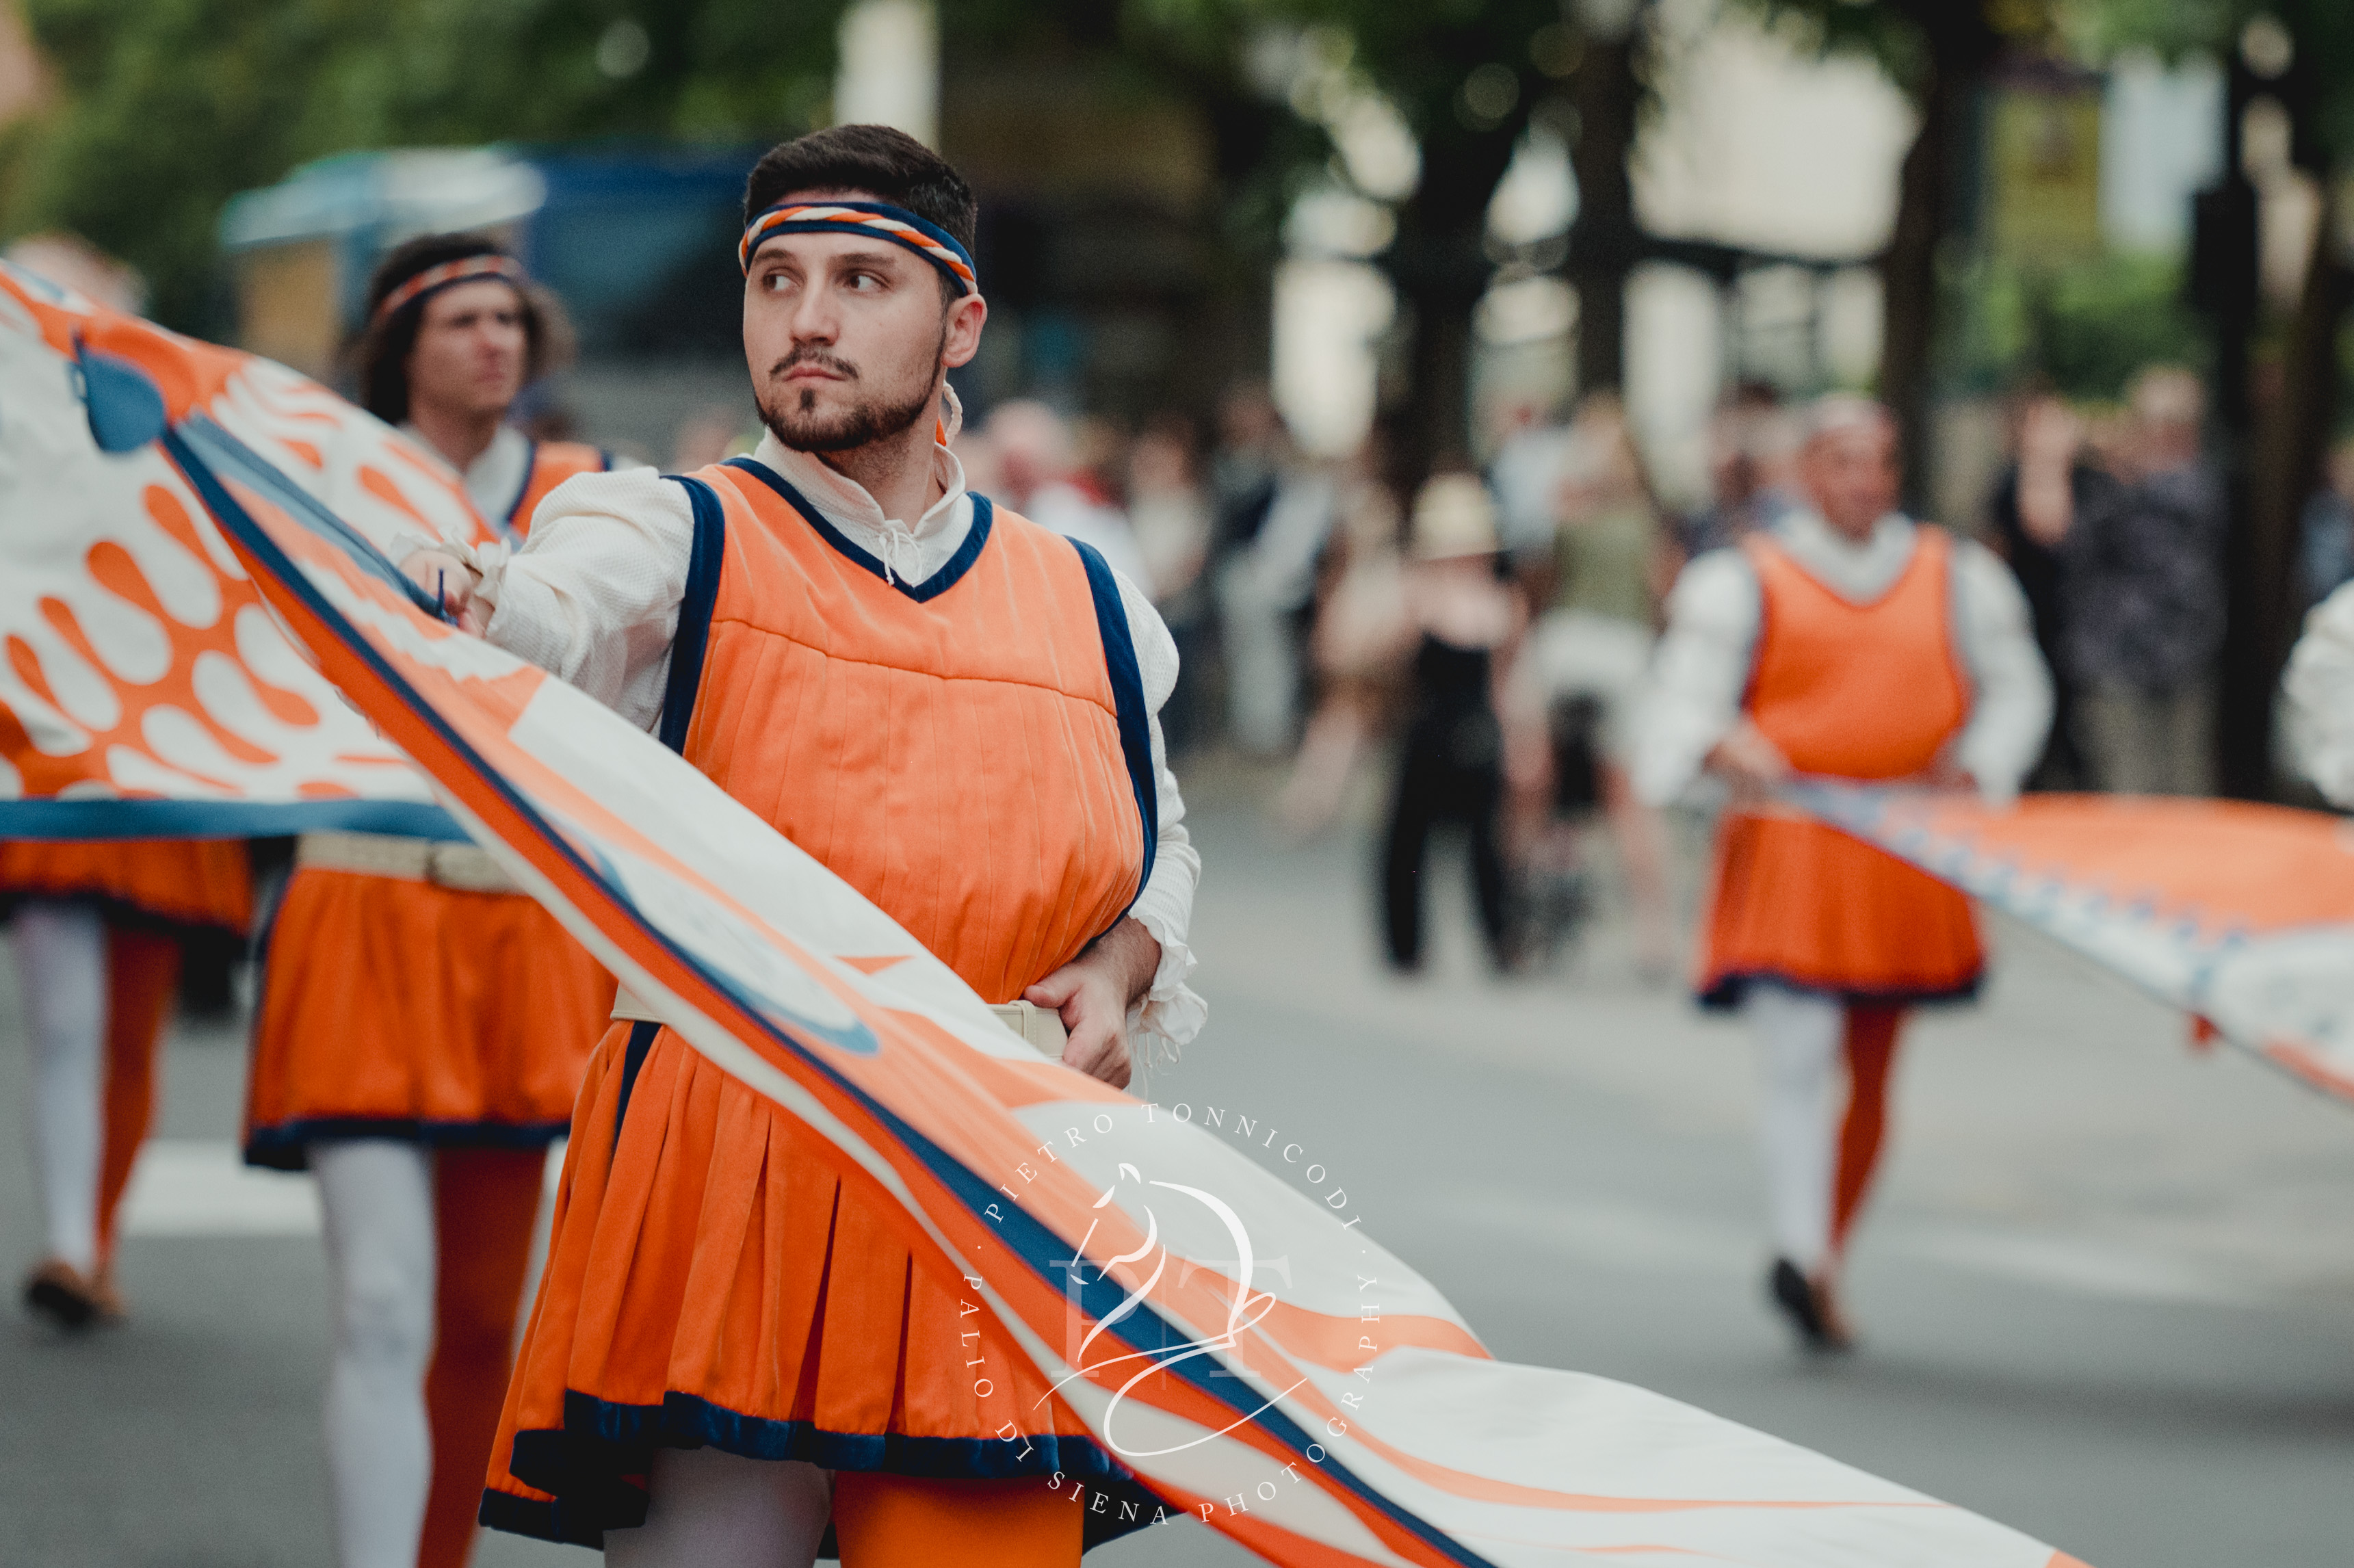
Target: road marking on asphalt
201,1187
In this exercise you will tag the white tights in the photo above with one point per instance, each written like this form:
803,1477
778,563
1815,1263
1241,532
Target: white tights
61,971
709,1509
1799,1034
378,1195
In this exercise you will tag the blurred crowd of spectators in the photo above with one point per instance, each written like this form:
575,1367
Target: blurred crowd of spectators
1490,632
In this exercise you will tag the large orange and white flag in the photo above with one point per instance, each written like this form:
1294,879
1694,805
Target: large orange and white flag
147,690
2241,914
1244,1355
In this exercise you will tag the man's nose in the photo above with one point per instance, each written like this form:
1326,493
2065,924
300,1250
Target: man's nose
813,318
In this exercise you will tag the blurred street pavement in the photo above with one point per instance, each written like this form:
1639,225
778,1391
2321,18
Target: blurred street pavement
2108,1288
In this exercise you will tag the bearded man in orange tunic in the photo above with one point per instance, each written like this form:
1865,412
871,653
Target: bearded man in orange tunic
1846,642
953,709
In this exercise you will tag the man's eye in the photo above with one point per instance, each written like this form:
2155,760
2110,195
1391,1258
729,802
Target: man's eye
864,282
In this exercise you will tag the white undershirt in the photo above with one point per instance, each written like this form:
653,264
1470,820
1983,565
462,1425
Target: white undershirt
593,596
1703,666
495,480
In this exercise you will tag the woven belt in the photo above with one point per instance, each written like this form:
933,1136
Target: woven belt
462,867
1041,1026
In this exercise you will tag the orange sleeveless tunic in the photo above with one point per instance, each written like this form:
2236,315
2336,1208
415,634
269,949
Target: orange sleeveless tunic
552,462
964,752
399,1007
176,882
1846,691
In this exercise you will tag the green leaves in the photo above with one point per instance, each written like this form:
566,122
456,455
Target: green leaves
168,107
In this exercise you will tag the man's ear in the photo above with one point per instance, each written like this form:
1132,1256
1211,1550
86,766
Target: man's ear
961,340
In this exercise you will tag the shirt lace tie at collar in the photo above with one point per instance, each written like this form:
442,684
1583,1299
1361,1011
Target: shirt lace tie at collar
902,559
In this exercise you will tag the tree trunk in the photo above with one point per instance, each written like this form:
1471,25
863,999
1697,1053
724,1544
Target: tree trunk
1908,273
1439,279
2291,447
1603,240
1440,267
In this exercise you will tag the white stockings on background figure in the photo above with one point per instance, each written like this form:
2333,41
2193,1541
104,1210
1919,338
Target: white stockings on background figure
378,1196
61,973
705,1508
1799,1036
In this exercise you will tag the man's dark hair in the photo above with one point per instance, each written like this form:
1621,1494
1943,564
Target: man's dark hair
380,354
891,165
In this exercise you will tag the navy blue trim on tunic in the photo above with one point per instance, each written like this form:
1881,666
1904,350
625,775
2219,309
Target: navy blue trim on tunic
694,635
597,1463
931,587
1730,991
1128,698
687,647
530,466
287,1146
633,1057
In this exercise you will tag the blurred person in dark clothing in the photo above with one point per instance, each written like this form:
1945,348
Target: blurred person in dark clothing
2326,531
1467,621
1275,510
1170,516
2052,482
1752,445
2145,602
1253,446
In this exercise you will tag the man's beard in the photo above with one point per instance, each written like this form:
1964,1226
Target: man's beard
792,418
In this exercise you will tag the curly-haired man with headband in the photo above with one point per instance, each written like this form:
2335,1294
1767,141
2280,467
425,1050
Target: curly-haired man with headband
424,1024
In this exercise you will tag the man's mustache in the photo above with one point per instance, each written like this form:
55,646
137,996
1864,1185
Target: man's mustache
819,357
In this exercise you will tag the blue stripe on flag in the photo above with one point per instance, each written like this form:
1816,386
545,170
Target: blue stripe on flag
91,820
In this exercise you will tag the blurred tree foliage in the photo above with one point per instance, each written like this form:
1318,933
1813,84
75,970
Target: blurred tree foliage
2321,30
1938,52
2088,327
163,109
1271,78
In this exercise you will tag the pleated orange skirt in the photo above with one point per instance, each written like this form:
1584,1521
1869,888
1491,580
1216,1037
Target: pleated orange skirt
178,882
1794,901
397,1008
713,1280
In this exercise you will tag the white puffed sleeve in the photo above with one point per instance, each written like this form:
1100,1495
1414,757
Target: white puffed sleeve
1171,1013
1698,673
593,593
2320,684
2011,706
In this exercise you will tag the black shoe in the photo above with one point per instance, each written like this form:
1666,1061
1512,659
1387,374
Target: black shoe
57,1291
1795,1298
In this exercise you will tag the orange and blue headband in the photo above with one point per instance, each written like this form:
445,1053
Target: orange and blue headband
895,224
463,270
